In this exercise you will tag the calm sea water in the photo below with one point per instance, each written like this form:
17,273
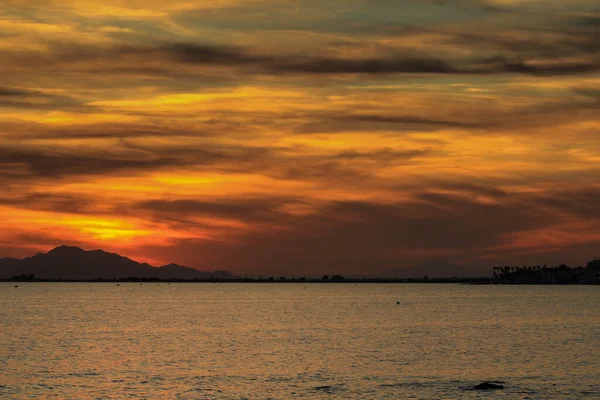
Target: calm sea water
284,341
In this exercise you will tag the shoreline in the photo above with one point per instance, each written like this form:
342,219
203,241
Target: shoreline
473,281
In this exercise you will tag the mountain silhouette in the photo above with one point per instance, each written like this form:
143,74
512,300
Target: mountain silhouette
68,262
434,269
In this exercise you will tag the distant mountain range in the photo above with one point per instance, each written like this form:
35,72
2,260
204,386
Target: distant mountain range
73,263
439,269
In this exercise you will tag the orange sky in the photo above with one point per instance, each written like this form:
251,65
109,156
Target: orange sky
294,137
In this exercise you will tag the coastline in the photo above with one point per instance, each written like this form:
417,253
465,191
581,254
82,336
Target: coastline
465,281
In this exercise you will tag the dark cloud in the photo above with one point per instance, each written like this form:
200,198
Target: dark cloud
473,4
288,163
396,64
61,203
382,155
473,189
359,236
348,167
380,120
26,163
34,99
248,210
29,242
19,92
63,104
593,93
547,43
582,202
165,59
12,92
479,118
126,157
591,21
392,64
162,55
204,54
201,54
143,129
564,68
405,119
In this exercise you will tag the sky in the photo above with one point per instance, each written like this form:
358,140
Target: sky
302,137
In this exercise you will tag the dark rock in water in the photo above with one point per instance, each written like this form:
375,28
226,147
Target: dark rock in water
330,389
488,386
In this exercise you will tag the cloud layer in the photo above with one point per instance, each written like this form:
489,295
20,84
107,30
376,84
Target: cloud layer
300,138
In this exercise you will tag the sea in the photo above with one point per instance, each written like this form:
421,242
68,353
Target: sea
295,340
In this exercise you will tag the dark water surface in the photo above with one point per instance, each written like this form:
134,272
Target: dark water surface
283,341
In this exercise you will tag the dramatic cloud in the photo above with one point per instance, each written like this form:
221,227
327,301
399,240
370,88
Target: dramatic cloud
11,92
363,238
49,164
300,138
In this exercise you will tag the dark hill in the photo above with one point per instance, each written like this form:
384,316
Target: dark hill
69,262
220,274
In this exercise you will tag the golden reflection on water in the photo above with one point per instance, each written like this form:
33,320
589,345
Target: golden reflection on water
100,340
